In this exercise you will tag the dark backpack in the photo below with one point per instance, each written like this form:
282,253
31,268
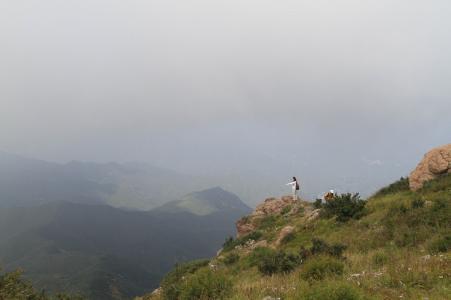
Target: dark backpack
297,186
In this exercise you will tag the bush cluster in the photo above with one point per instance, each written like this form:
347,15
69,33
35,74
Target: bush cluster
205,284
231,258
257,255
13,286
229,244
417,203
442,244
379,259
439,213
401,185
288,238
321,247
171,283
344,207
409,226
193,281
320,267
272,262
318,203
441,183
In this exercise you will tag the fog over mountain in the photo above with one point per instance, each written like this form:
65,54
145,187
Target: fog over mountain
343,94
103,252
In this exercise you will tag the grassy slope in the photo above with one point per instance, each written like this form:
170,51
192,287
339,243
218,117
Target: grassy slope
394,252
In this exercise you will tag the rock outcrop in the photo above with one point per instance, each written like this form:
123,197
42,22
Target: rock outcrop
244,226
435,162
271,206
287,230
312,215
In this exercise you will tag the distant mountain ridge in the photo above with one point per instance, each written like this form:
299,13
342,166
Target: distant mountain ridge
136,186
205,202
109,253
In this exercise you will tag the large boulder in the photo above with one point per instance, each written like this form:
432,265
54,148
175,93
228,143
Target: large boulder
435,162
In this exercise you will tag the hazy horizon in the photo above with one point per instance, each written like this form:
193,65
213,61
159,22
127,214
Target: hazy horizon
345,95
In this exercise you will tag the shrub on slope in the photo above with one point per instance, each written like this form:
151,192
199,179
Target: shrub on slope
320,267
171,283
344,207
205,284
401,185
13,286
277,262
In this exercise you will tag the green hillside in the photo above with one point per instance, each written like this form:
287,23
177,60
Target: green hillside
133,186
102,252
206,202
395,245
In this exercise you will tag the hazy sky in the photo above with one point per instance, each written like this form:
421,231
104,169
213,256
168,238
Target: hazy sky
208,86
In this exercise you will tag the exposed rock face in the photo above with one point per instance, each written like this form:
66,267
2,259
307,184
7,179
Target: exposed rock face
283,233
312,215
262,243
435,162
244,226
271,206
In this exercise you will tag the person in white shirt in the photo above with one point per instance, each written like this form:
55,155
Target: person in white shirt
294,188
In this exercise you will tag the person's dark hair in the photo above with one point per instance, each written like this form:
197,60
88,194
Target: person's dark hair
294,179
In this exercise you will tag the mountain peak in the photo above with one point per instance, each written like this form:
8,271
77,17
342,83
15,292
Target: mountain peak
206,202
216,189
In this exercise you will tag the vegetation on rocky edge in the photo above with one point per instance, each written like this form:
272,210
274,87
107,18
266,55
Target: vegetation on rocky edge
394,245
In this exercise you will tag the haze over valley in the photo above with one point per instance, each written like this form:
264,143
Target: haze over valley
138,135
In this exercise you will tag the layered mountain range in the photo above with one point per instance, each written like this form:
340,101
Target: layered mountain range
106,231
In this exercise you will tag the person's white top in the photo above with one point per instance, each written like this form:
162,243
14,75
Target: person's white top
293,185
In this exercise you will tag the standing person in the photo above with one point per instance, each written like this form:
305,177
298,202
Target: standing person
294,188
